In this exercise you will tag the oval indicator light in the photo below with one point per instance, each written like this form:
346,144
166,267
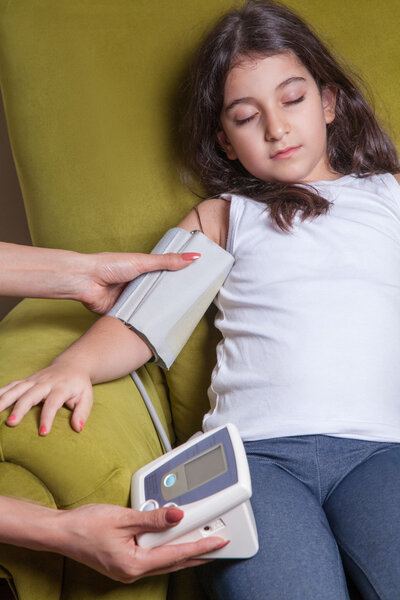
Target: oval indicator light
169,480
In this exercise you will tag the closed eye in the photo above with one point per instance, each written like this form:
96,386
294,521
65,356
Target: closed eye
296,101
243,121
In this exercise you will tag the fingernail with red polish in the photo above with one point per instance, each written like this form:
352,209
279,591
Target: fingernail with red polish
11,418
43,430
80,425
190,255
173,515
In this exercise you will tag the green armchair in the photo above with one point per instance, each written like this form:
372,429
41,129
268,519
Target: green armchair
92,97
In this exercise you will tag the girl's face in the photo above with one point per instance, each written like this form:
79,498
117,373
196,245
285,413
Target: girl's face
274,120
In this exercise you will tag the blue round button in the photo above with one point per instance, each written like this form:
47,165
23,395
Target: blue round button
169,480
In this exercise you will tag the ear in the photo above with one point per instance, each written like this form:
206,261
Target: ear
328,96
226,145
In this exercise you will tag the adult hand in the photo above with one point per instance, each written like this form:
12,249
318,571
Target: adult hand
102,537
94,279
100,287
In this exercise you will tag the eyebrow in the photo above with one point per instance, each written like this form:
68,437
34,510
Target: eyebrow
249,98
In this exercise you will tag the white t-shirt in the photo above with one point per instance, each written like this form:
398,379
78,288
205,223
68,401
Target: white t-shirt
311,319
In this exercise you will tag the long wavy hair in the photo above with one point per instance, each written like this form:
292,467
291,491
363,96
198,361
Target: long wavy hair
356,142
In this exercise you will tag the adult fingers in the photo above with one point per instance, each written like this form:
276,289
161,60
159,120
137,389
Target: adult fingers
155,520
173,262
123,267
144,263
175,556
194,562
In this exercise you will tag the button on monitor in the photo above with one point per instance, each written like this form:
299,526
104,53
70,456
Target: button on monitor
169,480
149,505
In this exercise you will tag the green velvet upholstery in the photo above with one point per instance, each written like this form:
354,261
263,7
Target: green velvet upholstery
92,97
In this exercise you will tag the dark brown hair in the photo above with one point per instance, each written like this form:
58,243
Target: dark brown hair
355,141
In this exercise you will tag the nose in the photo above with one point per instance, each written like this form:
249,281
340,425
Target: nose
276,127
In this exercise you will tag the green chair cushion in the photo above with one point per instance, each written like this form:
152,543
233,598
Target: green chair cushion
67,469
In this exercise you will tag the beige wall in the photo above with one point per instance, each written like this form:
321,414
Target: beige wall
13,225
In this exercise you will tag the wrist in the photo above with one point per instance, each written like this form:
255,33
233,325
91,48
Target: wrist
62,538
96,286
77,365
77,276
50,531
79,361
29,525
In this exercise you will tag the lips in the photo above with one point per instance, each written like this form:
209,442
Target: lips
285,152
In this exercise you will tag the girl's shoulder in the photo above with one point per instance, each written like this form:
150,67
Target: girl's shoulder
382,185
211,217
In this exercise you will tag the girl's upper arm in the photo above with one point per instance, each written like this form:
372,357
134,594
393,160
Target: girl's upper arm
211,217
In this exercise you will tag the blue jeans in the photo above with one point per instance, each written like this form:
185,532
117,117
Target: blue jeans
320,503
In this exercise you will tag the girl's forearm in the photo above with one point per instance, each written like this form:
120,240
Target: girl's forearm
41,272
108,350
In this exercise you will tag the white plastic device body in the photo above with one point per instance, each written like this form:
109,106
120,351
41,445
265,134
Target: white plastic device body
212,478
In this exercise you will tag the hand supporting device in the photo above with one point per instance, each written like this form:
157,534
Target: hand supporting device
208,477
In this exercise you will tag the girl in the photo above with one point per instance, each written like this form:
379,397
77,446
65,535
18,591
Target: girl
304,196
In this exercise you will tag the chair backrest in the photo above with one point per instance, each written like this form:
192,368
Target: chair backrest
91,93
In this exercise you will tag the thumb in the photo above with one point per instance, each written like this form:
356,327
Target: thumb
169,261
158,520
123,267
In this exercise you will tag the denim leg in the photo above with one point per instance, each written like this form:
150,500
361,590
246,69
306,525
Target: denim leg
364,514
298,556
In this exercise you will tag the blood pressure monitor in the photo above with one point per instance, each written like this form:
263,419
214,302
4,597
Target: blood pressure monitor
208,478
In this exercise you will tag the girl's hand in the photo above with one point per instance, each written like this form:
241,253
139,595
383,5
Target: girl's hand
54,386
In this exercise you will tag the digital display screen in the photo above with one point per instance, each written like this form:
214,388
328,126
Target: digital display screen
209,465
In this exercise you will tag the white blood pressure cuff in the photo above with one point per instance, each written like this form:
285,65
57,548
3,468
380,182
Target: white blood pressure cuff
164,307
